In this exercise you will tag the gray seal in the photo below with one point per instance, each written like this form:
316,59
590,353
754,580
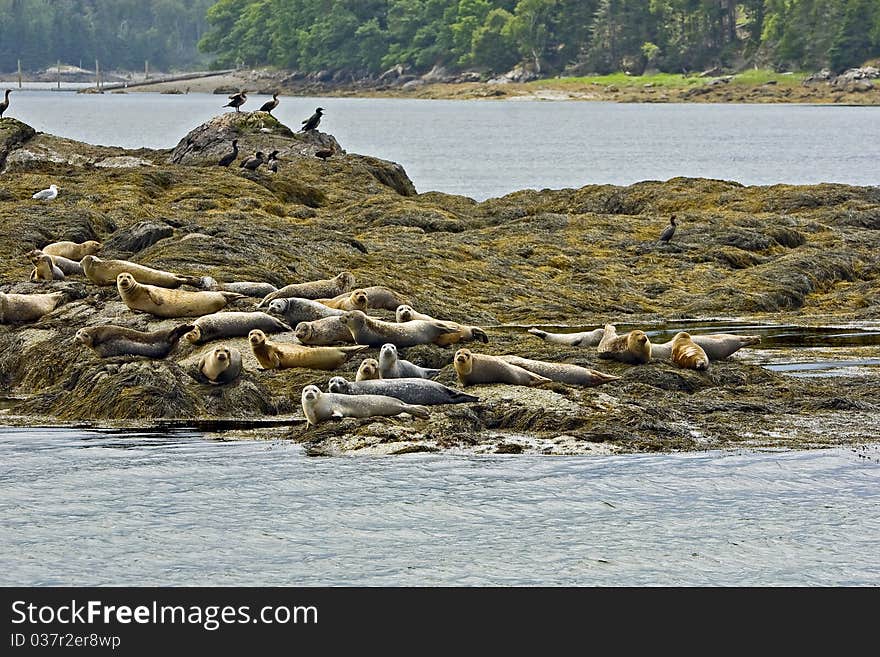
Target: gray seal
376,332
717,346
233,324
247,288
562,372
110,340
295,310
583,339
411,391
322,289
391,366
318,406
329,330
221,365
21,308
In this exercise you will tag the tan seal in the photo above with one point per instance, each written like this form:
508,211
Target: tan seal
45,269
581,339
717,346
687,353
163,302
105,272
562,372
405,313
21,308
322,289
72,250
319,406
376,332
368,370
384,298
354,300
221,365
322,332
67,266
109,340
633,348
283,355
474,368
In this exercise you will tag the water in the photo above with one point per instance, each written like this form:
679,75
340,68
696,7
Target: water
489,148
87,508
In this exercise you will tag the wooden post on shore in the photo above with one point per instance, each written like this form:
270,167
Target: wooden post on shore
98,75
146,69
19,74
59,74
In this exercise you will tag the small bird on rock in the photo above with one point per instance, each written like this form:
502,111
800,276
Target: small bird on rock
229,158
237,100
269,105
669,231
252,162
312,122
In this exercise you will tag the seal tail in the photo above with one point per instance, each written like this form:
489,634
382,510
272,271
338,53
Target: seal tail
479,334
601,377
178,332
430,372
751,339
537,332
232,296
418,411
463,398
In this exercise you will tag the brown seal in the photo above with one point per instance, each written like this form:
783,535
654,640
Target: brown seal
716,345
354,300
405,313
221,365
283,355
474,368
318,406
163,302
326,331
376,332
72,250
45,269
383,298
109,340
562,372
633,348
687,353
21,308
368,370
105,272
322,289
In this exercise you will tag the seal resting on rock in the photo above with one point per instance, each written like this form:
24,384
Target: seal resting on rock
45,269
687,353
368,370
67,266
391,366
163,302
329,330
322,289
716,345
583,339
72,250
405,313
110,340
633,348
283,355
221,365
295,310
376,332
247,288
411,391
354,300
233,324
562,372
474,368
382,297
318,406
21,308
106,272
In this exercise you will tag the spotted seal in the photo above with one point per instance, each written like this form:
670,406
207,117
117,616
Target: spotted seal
687,353
45,269
164,302
322,289
717,346
67,266
474,368
368,370
391,366
221,365
318,406
295,310
326,331
633,348
405,313
283,355
109,340
376,332
354,300
562,372
583,339
409,390
233,324
22,308
106,272
72,250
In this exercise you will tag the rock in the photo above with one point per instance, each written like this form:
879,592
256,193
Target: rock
13,133
138,237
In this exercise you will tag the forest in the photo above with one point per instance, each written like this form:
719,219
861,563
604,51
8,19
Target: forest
366,37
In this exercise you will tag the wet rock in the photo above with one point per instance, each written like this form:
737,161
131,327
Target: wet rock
138,237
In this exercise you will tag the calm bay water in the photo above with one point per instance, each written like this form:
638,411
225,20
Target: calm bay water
489,148
89,507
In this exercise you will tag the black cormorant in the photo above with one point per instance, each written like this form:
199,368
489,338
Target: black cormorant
272,162
237,100
5,104
269,105
229,158
324,153
252,162
312,122
669,231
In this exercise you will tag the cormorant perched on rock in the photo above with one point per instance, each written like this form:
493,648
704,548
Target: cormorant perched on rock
272,162
5,104
237,100
252,162
312,122
324,153
669,231
229,158
269,105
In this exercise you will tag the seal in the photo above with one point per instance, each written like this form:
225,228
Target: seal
221,365
45,269
354,300
318,406
67,266
584,339
247,288
329,330
562,372
322,289
21,308
411,391
375,332
405,313
717,346
687,353
295,310
368,370
384,298
633,348
283,355
233,324
393,367
72,250
162,302
109,340
474,368
105,272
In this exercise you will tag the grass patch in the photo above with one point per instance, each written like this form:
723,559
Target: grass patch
675,80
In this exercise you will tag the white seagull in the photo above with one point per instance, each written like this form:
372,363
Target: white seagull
46,194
